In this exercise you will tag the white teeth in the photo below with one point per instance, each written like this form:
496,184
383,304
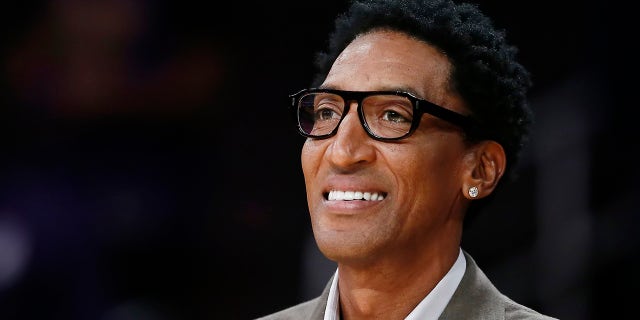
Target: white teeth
335,195
348,195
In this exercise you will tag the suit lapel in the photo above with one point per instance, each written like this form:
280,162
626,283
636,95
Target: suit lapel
319,309
475,297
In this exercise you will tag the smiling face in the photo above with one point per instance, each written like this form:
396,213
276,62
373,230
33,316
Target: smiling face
418,180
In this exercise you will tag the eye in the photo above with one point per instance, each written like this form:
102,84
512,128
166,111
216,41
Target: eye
327,111
388,116
328,107
392,110
394,116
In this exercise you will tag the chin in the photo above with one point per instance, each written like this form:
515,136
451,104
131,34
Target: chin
343,248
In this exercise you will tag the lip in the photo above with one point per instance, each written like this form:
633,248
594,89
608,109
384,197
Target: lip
350,207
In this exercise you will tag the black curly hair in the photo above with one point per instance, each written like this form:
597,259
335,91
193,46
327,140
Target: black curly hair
485,72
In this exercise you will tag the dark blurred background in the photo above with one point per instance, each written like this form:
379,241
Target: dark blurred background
148,169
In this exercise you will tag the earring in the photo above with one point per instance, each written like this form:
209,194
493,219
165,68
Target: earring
473,192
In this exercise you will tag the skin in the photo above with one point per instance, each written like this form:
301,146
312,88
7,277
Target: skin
391,253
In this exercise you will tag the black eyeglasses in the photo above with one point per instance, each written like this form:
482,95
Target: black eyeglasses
385,115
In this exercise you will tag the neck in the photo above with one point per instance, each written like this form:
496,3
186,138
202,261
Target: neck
391,289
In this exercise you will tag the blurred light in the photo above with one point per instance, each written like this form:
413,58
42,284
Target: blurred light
15,250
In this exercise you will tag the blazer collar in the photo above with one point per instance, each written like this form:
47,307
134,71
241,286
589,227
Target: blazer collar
475,298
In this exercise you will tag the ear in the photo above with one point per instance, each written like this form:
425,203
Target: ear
484,166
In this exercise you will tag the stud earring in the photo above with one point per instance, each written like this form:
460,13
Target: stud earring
473,192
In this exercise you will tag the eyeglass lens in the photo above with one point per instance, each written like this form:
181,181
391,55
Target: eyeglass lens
383,115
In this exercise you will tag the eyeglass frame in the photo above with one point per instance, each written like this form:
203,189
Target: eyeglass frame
420,107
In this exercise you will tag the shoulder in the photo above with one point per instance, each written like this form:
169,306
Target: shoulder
488,301
303,310
516,311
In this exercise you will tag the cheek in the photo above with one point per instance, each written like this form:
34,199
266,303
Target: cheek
428,183
430,167
310,157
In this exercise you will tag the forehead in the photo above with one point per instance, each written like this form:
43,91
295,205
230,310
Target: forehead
382,60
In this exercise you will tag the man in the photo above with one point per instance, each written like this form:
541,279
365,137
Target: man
419,112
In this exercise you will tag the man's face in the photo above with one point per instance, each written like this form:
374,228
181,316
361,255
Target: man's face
419,177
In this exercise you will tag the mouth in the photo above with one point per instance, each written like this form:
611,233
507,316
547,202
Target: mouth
339,195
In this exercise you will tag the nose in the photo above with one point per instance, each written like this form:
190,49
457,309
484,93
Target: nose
351,145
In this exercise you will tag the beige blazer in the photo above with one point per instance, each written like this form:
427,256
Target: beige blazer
476,298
